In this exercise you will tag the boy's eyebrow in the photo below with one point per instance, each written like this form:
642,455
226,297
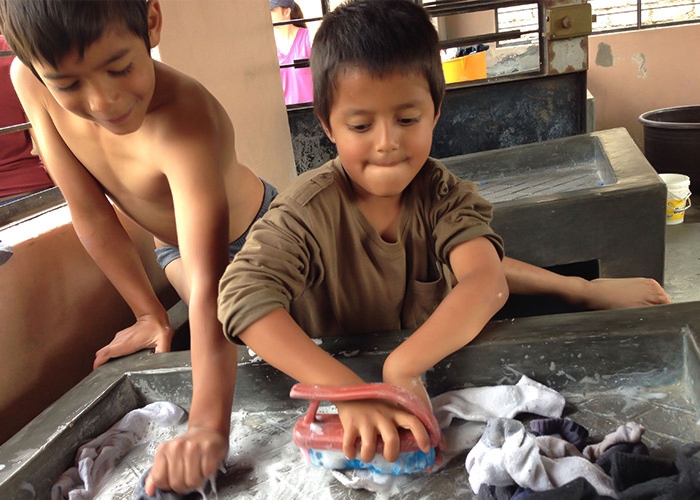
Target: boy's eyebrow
360,111
114,57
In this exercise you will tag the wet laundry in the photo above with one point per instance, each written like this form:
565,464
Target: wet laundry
98,457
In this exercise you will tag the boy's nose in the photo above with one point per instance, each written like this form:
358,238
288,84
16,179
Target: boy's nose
387,137
101,99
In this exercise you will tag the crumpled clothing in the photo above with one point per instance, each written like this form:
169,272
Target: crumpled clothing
507,454
481,404
96,458
475,406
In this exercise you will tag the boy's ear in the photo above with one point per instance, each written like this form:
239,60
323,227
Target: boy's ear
326,129
437,114
155,22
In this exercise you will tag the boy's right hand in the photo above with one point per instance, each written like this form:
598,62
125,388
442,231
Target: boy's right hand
147,333
368,419
185,463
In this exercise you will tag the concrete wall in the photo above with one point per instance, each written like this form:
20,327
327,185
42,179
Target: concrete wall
634,72
230,48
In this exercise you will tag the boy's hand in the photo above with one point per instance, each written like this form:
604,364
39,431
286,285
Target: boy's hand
369,419
148,332
184,464
412,383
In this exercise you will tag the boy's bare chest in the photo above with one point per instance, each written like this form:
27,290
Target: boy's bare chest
123,165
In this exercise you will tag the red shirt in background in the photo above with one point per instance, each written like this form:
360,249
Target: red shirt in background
20,171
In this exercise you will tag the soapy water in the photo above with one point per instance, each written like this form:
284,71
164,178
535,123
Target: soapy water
263,461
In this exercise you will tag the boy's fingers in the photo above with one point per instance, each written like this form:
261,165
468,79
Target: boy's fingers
163,345
349,438
149,487
413,423
368,448
193,474
159,471
100,358
392,443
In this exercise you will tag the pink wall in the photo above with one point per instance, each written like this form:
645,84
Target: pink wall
634,72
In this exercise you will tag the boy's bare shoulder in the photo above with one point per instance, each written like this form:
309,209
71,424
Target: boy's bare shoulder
27,85
182,107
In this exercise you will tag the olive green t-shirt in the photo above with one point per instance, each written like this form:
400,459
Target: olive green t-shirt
315,254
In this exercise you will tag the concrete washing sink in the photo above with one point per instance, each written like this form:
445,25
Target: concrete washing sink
639,365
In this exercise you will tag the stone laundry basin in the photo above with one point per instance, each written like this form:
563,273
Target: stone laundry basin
639,365
588,205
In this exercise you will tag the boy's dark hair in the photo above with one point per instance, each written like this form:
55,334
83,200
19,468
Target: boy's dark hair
379,36
47,30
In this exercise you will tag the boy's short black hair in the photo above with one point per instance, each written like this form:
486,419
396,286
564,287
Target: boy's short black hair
47,30
379,36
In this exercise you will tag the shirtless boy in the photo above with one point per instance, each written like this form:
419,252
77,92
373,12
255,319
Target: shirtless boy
113,126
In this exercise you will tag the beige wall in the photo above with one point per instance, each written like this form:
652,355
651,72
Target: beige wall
634,72
229,46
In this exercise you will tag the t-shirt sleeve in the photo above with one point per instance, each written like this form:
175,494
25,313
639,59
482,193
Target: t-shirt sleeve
271,270
458,214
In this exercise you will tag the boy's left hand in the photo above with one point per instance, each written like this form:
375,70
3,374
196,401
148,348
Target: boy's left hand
367,419
147,332
185,463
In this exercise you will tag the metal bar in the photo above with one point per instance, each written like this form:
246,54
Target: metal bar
477,39
31,205
452,7
639,14
15,128
298,63
292,21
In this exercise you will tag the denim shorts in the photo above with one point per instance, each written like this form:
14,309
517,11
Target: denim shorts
165,255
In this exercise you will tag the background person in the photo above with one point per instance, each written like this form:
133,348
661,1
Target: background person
293,42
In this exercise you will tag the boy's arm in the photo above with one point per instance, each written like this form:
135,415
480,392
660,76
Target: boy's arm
279,340
480,292
94,219
191,163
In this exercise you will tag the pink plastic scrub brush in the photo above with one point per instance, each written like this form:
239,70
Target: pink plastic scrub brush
320,435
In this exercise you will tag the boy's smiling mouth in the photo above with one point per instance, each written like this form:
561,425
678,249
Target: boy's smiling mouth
121,119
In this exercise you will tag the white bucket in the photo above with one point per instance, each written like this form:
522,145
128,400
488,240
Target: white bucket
677,197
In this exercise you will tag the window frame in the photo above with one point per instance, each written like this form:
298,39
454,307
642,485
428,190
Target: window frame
641,7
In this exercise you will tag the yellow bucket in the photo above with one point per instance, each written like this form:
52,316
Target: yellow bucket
461,69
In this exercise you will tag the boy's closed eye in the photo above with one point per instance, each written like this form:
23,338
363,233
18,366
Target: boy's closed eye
122,72
409,120
112,72
359,128
402,121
